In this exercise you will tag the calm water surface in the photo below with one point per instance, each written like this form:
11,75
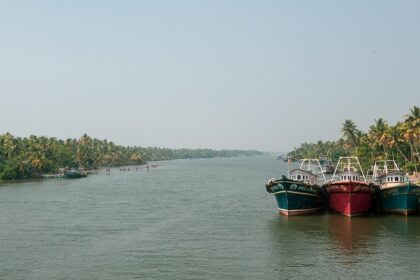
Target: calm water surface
191,219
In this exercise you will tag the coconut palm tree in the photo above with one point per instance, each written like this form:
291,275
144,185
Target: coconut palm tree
379,134
414,116
412,131
395,140
350,133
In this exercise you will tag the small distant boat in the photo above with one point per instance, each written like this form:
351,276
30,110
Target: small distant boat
280,157
73,174
397,193
348,191
300,194
326,165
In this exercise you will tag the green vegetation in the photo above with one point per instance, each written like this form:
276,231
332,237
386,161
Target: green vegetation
33,156
399,142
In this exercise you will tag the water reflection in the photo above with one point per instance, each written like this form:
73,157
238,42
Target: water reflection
329,244
298,246
402,226
350,236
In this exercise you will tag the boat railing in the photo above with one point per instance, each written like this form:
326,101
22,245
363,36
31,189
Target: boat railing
348,164
382,167
313,166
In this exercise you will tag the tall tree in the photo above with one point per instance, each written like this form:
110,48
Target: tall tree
350,133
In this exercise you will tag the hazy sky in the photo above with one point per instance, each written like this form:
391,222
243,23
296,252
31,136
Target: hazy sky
263,75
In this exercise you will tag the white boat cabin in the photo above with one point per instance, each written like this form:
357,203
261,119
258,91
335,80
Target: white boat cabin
349,176
392,177
302,175
348,169
387,173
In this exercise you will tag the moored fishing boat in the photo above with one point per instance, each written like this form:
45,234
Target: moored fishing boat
397,193
73,174
300,193
348,191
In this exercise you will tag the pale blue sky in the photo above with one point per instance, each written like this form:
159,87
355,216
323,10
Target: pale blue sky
263,75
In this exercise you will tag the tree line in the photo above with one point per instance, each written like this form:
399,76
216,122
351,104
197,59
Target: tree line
399,142
36,155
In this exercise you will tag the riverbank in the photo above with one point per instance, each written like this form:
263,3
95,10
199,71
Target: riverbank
27,156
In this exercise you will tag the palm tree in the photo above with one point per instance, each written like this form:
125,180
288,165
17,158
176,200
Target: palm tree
350,133
414,116
379,134
395,140
412,131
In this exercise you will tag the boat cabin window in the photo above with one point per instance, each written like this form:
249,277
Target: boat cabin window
396,179
298,177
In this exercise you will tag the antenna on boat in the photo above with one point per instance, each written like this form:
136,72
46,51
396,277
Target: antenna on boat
335,169
306,165
361,170
342,166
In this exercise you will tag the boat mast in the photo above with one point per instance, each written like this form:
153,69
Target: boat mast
306,165
361,170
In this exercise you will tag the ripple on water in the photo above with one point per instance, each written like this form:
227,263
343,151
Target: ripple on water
192,219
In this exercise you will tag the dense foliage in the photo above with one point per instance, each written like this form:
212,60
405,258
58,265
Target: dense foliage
33,156
399,142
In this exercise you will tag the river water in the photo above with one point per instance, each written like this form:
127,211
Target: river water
191,219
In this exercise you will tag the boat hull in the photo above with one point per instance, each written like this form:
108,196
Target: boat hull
402,199
75,174
350,198
297,198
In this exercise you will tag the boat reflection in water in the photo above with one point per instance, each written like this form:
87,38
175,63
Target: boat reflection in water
401,226
298,247
381,246
351,236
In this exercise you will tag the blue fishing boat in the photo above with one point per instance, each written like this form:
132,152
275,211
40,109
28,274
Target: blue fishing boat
397,193
300,193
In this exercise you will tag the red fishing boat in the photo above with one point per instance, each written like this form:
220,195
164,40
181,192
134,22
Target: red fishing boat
348,191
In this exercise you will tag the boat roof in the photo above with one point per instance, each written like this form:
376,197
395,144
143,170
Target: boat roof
349,172
348,165
392,173
303,171
313,166
385,167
